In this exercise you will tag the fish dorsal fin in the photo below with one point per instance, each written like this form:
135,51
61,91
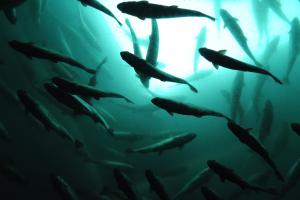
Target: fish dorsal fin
222,51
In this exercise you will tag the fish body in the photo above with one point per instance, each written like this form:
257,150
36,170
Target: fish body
156,185
261,15
63,188
266,121
124,184
98,6
294,47
31,50
237,32
218,58
85,90
237,90
144,9
8,7
201,40
172,107
144,68
275,5
166,144
246,138
195,183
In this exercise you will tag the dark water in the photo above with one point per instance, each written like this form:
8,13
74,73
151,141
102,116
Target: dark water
89,36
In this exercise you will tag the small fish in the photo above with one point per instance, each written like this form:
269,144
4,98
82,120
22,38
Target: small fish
217,58
156,185
93,80
192,185
165,144
236,106
63,188
97,5
294,47
8,7
31,50
144,9
78,105
266,122
226,173
135,41
124,184
4,135
201,40
293,177
209,194
85,90
144,68
296,128
246,138
172,107
275,5
237,32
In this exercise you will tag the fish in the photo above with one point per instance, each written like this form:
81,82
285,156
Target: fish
293,177
156,185
9,170
261,80
40,113
201,40
135,41
63,188
144,9
210,194
144,68
217,58
78,105
228,174
232,24
236,95
266,122
246,138
93,80
31,50
166,144
172,107
275,5
125,185
261,15
127,136
4,135
195,183
113,164
98,6
145,108
294,47
9,9
153,49
296,128
85,90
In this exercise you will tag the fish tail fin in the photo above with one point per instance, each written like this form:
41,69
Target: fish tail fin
78,144
276,79
192,87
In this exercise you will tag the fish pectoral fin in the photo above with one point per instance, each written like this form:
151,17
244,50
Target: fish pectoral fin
216,66
223,51
170,113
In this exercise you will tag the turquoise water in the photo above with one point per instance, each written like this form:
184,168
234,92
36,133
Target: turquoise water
89,36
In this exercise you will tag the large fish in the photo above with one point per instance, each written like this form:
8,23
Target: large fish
209,194
63,188
166,144
294,47
236,95
266,122
156,185
78,105
85,90
31,50
231,23
144,68
172,107
43,116
97,5
261,14
144,9
195,183
246,138
8,7
217,58
275,5
125,185
201,40
226,173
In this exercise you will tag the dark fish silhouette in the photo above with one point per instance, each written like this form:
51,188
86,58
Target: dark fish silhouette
63,188
156,185
144,9
31,50
124,184
296,128
209,194
144,68
8,7
85,90
217,58
246,138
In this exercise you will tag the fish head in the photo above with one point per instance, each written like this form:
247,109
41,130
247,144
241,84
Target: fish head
128,57
208,54
20,46
161,102
225,15
295,127
190,136
126,7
